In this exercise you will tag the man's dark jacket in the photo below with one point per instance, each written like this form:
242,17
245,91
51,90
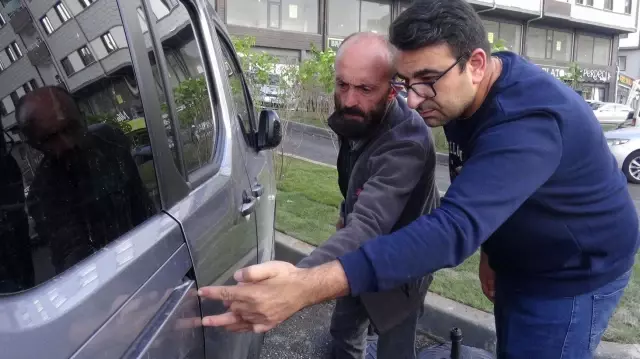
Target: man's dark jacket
387,180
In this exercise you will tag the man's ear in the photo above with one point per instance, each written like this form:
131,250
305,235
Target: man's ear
392,94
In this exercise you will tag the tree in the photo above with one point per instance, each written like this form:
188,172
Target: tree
109,119
573,77
499,45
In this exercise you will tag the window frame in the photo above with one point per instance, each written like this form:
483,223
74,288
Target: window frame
65,60
84,57
3,22
547,45
593,38
86,3
623,57
107,36
250,134
62,12
608,5
47,25
11,52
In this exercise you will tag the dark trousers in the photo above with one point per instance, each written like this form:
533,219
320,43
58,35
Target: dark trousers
349,324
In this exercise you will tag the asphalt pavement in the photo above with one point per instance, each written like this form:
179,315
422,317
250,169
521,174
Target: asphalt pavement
325,150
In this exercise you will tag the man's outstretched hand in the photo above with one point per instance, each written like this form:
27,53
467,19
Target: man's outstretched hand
268,294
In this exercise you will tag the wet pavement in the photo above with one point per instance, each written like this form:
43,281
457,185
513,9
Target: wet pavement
306,336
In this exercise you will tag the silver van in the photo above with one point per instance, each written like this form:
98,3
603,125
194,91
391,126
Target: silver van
133,169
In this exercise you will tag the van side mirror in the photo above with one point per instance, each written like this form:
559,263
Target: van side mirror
269,130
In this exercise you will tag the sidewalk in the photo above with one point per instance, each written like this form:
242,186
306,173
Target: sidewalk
442,314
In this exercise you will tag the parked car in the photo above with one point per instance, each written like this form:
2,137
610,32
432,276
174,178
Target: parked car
610,113
125,245
625,145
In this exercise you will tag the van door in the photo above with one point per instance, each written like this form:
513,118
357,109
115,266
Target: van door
259,164
91,264
217,214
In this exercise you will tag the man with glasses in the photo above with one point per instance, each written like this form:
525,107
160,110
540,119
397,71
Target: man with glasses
534,186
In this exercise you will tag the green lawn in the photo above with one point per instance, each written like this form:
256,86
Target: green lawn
308,200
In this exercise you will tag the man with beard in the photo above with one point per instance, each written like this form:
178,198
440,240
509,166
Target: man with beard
87,190
386,165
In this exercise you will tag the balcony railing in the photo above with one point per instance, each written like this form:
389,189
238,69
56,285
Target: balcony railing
19,16
39,54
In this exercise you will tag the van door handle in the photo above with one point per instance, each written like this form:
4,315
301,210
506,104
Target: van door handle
248,207
257,190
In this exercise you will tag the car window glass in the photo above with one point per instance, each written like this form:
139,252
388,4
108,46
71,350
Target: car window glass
196,122
238,88
76,166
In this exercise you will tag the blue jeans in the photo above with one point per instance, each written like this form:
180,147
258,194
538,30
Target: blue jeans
554,328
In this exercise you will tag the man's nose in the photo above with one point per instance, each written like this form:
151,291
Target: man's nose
413,100
350,98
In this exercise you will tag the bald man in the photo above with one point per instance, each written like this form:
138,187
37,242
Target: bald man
386,167
87,190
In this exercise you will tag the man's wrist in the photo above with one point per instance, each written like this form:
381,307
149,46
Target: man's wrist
323,283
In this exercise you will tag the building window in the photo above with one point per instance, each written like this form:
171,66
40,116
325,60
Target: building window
86,56
548,44
13,52
290,15
30,86
109,42
509,35
3,109
608,4
593,50
622,63
627,6
14,98
624,36
349,16
62,12
86,3
585,2
66,65
46,24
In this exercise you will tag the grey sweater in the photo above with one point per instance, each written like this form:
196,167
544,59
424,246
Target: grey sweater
387,182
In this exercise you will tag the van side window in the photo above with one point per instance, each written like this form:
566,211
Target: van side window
238,88
76,167
185,71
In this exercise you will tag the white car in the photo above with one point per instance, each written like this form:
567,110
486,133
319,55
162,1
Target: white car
610,113
625,145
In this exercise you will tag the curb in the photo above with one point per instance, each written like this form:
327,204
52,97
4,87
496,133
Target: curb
442,314
442,158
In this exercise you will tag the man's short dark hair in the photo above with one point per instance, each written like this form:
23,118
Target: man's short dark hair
433,22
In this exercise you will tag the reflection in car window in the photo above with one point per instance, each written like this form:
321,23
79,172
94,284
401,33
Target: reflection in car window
186,76
238,88
76,168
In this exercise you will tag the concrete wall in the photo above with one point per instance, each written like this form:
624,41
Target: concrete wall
633,63
597,14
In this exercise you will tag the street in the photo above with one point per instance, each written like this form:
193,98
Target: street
322,149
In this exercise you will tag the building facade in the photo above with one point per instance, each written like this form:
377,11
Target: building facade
551,33
628,66
80,44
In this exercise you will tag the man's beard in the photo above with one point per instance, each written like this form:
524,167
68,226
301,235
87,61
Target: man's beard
356,129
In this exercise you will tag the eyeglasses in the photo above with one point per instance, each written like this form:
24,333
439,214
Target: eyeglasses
424,89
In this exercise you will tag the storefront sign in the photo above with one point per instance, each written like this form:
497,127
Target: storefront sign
625,80
334,43
588,75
